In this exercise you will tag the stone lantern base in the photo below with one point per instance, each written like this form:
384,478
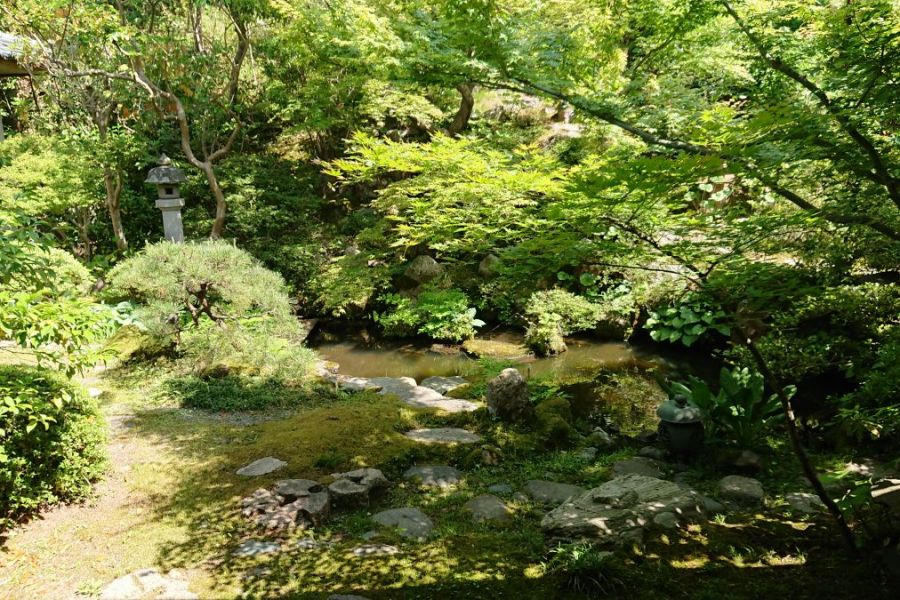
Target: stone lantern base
171,214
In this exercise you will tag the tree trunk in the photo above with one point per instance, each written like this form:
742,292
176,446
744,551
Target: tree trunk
799,451
466,104
113,183
218,227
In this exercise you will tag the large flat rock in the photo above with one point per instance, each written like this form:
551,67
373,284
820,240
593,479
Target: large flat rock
622,509
443,435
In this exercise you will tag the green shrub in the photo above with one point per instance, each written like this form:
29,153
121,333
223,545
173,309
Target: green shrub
584,568
438,314
51,442
552,314
219,305
739,412
60,273
238,392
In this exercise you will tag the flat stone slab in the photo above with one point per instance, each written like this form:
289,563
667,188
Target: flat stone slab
621,509
488,507
550,492
261,467
443,385
443,435
639,465
411,522
145,583
256,548
375,550
405,388
438,476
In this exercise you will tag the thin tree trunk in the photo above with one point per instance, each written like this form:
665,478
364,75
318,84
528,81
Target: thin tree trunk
464,113
218,227
797,444
113,183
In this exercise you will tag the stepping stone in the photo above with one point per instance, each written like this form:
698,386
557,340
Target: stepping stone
291,489
261,467
354,488
503,489
443,385
443,435
411,522
638,465
487,507
349,383
741,489
412,394
440,476
376,550
256,548
550,492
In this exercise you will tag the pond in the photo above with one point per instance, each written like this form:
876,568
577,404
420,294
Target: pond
597,375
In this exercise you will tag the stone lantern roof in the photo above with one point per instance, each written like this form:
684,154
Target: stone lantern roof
165,173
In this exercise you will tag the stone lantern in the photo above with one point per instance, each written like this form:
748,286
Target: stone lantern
167,179
681,425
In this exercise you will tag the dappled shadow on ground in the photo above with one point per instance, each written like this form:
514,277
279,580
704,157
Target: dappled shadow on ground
748,556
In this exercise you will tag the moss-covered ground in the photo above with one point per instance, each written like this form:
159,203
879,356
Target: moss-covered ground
171,501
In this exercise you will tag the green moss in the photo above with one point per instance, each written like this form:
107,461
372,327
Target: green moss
495,349
130,343
554,416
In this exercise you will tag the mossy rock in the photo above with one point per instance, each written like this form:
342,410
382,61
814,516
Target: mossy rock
462,392
554,427
132,344
495,349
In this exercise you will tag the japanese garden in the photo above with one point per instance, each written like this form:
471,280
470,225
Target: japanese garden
375,299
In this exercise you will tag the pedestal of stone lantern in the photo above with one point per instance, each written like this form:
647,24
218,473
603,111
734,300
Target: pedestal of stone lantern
167,179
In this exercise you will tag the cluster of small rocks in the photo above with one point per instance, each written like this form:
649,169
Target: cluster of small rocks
303,503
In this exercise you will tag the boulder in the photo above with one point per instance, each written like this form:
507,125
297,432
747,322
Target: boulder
741,489
439,476
348,493
487,507
423,269
601,439
748,462
622,509
355,488
804,502
262,466
508,398
410,522
550,492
